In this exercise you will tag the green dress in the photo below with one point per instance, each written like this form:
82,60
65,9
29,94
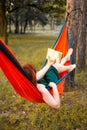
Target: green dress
50,76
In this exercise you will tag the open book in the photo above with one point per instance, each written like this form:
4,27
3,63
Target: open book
54,55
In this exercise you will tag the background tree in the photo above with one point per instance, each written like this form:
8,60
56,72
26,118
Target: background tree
3,20
23,14
36,10
76,11
81,49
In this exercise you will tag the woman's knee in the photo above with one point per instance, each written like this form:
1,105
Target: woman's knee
41,88
57,66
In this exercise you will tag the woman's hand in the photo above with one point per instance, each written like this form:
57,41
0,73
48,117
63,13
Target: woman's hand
43,71
52,84
51,61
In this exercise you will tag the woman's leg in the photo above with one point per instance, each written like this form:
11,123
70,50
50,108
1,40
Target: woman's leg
53,101
61,68
67,57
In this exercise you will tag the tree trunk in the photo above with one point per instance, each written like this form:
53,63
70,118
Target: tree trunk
86,17
73,13
3,22
16,22
81,56
9,24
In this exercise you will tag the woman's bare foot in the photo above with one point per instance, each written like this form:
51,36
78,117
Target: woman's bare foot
67,57
69,53
71,67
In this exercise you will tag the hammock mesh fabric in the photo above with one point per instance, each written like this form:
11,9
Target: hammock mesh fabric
20,81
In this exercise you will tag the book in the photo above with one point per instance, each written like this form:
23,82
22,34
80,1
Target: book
54,55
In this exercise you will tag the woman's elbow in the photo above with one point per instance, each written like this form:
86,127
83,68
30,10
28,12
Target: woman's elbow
56,105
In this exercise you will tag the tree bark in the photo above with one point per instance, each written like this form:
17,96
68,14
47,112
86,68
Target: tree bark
3,22
81,56
73,13
16,22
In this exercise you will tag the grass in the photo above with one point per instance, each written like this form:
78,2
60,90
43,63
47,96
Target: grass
30,47
17,113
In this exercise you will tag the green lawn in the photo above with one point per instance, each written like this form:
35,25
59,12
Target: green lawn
17,113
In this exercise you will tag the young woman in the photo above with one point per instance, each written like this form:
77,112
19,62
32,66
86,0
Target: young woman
46,78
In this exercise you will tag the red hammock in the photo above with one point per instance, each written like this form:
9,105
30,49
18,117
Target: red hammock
20,81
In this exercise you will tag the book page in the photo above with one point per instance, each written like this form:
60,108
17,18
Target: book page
53,54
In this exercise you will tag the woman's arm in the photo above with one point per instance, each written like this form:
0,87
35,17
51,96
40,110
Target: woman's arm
43,71
55,93
53,101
